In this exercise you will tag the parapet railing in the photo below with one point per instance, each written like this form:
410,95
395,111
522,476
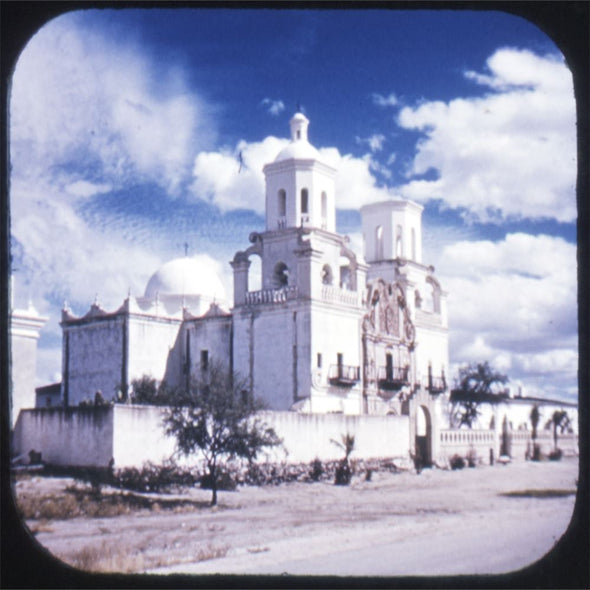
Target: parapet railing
337,295
265,296
467,437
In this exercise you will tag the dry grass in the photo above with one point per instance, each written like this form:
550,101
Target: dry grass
552,493
115,557
75,502
105,558
212,551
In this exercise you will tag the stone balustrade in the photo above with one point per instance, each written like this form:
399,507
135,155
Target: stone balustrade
337,295
266,296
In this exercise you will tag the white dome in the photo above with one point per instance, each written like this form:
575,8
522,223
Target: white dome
185,277
301,150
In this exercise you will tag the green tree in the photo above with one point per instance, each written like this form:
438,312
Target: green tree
476,384
535,417
146,391
219,418
559,420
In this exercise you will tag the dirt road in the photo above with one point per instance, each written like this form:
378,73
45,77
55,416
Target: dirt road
437,522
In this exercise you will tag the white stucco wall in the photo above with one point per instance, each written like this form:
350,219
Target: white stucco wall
152,343
307,436
77,437
212,335
334,330
139,436
132,435
95,359
25,326
274,339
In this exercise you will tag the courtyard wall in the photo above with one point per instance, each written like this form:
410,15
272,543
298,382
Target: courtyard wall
132,435
81,436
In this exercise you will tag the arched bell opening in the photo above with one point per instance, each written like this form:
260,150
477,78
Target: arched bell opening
280,275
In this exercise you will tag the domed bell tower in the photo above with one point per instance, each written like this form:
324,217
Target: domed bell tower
299,186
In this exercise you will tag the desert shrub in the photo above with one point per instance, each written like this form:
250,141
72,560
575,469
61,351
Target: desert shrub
457,462
555,455
344,470
263,474
96,477
154,478
317,470
224,481
343,474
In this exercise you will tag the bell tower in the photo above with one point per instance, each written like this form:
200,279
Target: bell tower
297,338
299,186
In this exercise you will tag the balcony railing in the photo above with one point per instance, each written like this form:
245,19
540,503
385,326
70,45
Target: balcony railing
271,296
344,375
393,378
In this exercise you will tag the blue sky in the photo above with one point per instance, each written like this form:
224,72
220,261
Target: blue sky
127,125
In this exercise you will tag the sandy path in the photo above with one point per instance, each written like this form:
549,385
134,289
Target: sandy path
438,522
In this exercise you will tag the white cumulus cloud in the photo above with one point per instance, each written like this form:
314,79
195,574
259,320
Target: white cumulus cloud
514,304
274,107
375,141
508,154
390,100
232,178
78,96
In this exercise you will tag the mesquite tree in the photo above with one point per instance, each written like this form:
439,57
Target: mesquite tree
476,384
218,418
560,420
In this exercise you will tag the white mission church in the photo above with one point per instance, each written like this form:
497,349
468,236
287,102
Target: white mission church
328,332
331,332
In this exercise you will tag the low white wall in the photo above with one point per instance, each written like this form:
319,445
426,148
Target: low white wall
139,436
462,442
81,437
132,435
307,436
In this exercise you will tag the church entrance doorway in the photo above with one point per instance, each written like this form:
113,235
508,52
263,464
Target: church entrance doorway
423,437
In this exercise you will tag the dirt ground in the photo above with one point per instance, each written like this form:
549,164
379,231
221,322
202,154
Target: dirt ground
474,521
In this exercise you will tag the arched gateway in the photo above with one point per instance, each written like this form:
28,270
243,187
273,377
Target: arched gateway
423,436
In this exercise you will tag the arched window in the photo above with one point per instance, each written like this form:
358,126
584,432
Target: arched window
417,299
282,203
434,296
413,244
281,275
327,276
379,242
399,244
255,273
304,201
